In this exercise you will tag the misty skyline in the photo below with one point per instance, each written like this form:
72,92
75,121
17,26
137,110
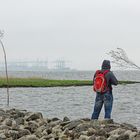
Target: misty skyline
79,31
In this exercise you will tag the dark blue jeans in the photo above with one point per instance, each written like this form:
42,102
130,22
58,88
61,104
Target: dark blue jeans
105,99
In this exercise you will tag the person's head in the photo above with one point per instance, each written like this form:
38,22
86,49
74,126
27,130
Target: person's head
106,64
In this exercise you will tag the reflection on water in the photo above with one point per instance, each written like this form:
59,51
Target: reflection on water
75,102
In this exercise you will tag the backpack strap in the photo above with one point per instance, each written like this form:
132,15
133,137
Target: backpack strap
98,71
105,72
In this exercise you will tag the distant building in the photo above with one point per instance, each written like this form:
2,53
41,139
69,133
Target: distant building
25,65
61,64
58,65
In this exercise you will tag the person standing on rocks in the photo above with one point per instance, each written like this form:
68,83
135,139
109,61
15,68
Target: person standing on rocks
102,84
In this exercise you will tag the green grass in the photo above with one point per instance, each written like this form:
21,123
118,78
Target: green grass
38,82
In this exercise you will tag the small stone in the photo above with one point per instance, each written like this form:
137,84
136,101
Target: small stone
56,130
123,137
100,138
73,124
31,137
107,121
3,127
32,126
92,138
23,132
8,122
83,137
63,137
66,132
19,121
2,136
13,134
128,127
91,132
118,131
14,125
137,137
54,123
55,119
48,137
65,119
132,135
113,137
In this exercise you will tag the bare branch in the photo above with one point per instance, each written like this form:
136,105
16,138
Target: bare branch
6,71
121,59
1,34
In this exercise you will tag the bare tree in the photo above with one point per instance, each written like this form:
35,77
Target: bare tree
120,58
6,71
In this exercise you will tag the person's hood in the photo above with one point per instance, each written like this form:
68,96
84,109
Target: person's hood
106,65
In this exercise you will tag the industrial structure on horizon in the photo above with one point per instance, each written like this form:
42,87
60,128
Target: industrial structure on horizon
38,65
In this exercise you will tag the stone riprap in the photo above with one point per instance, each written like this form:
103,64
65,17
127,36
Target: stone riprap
23,125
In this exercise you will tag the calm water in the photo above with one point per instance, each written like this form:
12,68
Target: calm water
76,102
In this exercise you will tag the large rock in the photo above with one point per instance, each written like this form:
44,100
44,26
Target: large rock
23,132
33,116
29,137
73,124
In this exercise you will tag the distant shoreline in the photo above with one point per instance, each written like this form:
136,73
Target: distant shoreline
40,82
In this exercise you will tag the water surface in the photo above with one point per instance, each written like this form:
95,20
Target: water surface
75,102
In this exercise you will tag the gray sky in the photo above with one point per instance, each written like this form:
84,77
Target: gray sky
81,31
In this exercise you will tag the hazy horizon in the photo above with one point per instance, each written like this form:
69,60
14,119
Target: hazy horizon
81,31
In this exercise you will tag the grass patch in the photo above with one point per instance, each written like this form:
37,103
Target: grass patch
38,82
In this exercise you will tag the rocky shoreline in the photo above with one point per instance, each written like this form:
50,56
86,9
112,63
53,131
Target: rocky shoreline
23,125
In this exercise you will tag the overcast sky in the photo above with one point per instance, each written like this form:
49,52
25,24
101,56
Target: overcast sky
80,31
